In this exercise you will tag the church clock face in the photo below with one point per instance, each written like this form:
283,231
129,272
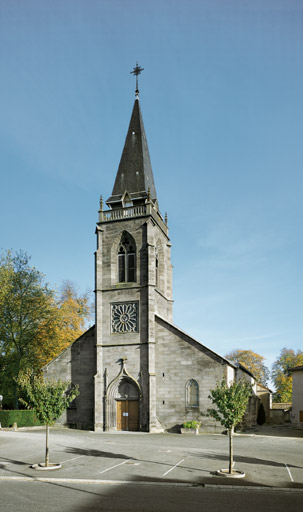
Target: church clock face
124,317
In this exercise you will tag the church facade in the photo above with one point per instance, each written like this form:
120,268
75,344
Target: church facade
136,370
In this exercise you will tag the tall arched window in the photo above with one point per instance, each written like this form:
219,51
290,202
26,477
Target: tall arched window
192,393
127,259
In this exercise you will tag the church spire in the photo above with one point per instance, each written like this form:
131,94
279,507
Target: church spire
135,175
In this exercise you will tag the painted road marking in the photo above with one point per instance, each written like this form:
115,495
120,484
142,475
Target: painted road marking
108,469
173,467
290,475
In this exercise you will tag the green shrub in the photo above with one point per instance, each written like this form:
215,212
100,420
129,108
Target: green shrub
23,418
191,424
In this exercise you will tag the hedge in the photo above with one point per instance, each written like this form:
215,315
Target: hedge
23,418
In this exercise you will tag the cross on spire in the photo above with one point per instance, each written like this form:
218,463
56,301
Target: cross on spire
137,71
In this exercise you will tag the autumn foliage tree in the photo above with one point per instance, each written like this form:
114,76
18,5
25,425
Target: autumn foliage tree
26,302
281,374
36,324
252,361
71,314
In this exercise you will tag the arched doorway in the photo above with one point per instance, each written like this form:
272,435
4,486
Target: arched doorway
123,404
127,403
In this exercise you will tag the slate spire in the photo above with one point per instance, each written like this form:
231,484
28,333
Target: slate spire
135,176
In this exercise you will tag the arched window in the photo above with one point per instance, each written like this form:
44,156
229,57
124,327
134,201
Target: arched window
127,259
192,393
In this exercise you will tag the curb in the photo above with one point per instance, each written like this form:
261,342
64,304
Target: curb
148,483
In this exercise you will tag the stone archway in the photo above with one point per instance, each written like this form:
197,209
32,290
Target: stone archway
123,399
127,406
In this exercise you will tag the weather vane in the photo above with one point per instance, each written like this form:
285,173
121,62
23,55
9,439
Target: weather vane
137,71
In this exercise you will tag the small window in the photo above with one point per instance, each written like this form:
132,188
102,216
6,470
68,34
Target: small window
131,267
121,265
157,270
192,393
126,200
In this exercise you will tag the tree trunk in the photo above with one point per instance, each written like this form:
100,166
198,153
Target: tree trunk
15,395
231,450
46,447
15,386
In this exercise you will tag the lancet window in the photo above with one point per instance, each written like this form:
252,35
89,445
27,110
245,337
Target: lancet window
192,393
127,259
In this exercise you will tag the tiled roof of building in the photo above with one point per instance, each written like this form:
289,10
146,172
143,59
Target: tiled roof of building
296,369
283,406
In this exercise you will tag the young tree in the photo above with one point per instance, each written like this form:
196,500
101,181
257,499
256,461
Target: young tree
281,375
230,402
48,399
25,304
252,361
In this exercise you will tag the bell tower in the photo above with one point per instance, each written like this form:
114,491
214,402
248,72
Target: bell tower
133,282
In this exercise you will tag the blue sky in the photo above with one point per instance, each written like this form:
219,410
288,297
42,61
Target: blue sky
221,97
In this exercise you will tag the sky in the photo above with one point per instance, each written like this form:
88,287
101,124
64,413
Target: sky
222,103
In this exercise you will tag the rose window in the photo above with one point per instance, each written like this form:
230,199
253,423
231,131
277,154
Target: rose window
125,317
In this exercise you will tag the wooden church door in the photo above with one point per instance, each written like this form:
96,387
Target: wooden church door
127,415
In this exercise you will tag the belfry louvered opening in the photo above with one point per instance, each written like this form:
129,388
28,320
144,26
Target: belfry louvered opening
127,259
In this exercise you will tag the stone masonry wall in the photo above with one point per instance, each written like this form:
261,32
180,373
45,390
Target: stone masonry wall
297,400
135,364
137,345
77,364
178,360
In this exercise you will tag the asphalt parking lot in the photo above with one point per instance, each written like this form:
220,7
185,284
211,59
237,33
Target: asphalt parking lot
269,461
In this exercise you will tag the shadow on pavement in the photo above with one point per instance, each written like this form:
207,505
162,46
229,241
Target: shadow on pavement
243,459
5,460
112,455
146,498
212,479
88,452
206,476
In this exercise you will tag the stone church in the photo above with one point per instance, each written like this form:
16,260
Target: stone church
136,370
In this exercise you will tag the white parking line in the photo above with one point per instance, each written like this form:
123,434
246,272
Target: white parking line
290,475
108,469
173,467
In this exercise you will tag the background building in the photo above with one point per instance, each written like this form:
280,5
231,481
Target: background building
297,396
